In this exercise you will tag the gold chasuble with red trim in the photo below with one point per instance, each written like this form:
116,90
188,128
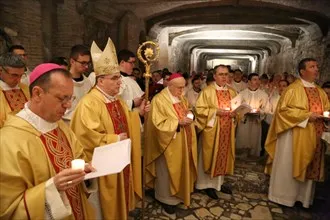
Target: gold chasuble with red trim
217,132
315,105
28,160
295,106
120,125
12,101
97,122
60,155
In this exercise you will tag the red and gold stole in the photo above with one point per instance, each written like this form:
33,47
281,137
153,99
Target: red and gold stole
120,125
224,145
315,105
60,154
15,99
181,111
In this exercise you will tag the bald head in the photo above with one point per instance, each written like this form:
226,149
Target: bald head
176,86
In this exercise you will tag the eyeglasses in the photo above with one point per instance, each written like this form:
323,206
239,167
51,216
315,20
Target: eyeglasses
13,75
84,63
131,62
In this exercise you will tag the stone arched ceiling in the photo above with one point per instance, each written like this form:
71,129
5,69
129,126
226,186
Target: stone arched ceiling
268,27
264,27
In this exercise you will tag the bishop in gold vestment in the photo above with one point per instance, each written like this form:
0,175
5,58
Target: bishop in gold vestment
171,151
296,155
101,117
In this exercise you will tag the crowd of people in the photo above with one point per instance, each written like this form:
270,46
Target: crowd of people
187,133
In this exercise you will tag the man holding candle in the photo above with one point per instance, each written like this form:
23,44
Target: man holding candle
296,155
102,118
36,151
249,127
171,151
216,146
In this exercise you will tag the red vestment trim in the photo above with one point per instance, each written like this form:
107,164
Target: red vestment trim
60,155
15,99
225,123
120,125
315,105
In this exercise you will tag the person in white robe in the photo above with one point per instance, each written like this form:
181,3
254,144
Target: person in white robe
130,91
249,128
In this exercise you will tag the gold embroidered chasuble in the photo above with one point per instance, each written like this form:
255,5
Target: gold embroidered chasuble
179,146
295,106
26,165
97,123
218,140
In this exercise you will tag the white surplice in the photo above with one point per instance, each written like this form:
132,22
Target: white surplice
249,128
80,89
129,90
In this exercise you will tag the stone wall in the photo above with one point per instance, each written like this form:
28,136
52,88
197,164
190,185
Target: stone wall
308,45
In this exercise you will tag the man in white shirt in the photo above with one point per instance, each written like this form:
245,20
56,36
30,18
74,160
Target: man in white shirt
130,91
249,128
80,61
193,93
238,83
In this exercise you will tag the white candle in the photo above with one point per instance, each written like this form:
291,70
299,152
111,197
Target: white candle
227,109
78,164
254,110
326,114
190,115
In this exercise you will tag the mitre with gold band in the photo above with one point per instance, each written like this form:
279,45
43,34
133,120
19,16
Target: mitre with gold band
105,62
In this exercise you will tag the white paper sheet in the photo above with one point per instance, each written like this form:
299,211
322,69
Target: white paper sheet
110,159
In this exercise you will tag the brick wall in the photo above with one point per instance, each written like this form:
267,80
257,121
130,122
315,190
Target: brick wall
25,18
69,28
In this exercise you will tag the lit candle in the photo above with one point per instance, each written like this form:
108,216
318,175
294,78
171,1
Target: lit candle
254,110
326,114
227,109
78,164
190,115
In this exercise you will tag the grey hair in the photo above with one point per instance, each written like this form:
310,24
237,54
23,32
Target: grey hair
12,60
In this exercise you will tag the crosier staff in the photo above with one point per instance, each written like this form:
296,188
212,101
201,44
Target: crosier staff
147,53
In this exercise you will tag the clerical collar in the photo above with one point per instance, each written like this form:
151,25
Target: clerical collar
5,86
124,74
198,90
252,90
217,87
307,84
81,78
173,98
35,120
108,98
